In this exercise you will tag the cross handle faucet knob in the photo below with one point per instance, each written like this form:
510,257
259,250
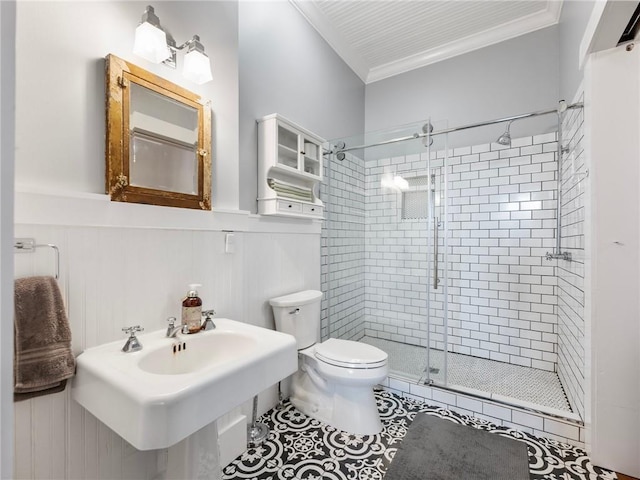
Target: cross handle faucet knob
132,330
132,345
208,322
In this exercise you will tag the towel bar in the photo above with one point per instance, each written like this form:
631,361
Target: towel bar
29,245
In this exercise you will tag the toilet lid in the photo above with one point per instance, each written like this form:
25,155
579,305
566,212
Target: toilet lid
350,354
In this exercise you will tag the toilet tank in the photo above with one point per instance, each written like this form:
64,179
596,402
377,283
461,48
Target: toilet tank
298,314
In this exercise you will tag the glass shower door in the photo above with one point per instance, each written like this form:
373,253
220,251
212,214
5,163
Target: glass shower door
384,249
437,305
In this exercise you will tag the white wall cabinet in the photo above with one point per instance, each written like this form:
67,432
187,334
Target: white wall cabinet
289,169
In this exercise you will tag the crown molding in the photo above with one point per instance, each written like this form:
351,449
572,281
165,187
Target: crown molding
498,34
319,21
335,39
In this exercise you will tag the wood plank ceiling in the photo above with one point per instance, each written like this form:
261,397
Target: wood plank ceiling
379,38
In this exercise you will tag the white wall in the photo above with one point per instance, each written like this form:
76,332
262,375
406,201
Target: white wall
612,98
573,21
126,263
512,77
287,68
60,94
7,131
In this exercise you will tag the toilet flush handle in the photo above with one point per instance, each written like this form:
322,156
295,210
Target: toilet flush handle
294,312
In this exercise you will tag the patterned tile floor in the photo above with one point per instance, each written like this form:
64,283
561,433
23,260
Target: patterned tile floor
524,383
302,448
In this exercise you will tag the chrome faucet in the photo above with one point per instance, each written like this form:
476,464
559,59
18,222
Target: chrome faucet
172,329
133,344
208,322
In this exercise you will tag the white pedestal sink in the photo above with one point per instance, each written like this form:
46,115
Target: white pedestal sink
173,387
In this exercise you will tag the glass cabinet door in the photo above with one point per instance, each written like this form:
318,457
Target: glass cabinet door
287,147
310,152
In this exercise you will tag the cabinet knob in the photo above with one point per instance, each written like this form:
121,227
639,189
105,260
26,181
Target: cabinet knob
290,206
303,153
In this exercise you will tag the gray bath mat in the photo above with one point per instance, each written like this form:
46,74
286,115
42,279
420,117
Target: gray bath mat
438,449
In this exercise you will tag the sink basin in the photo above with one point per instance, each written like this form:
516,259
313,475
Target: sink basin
173,387
204,352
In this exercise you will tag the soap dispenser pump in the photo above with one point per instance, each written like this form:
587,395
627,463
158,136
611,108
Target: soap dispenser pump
192,309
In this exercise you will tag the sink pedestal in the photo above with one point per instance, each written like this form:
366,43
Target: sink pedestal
195,457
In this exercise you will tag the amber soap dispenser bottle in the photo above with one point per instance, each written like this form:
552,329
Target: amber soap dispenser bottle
192,309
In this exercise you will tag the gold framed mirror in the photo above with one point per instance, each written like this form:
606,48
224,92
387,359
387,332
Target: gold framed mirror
158,147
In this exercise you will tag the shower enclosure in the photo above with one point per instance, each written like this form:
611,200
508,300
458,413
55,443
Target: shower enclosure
445,255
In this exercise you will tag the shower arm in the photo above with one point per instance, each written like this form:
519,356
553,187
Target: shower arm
456,129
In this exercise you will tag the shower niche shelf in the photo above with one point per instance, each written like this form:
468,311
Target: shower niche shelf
289,169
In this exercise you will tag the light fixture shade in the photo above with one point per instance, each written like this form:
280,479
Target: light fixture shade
151,43
197,67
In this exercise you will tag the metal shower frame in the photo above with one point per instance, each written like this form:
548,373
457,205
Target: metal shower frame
339,150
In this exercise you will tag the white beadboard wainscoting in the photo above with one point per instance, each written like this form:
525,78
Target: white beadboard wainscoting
114,274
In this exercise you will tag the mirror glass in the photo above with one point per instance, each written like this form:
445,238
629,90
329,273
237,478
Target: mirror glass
158,140
164,139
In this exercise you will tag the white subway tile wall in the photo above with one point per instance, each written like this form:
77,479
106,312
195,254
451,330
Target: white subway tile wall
343,241
501,215
570,288
507,302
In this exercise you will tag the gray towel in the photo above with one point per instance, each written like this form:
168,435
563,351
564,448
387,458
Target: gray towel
43,360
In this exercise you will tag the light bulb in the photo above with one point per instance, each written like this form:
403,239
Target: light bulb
197,67
151,43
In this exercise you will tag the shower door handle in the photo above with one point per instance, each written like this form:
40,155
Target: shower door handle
436,280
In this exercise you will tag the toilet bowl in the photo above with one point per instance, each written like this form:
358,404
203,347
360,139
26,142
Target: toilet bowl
335,378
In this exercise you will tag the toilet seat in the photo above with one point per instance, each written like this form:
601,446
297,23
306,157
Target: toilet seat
350,354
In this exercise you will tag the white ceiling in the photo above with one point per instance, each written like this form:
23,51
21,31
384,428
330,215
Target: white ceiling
382,38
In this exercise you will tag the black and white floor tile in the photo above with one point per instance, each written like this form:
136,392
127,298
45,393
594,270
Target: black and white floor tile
302,448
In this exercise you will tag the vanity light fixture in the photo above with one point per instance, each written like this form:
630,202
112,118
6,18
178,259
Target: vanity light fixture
151,40
154,44
196,63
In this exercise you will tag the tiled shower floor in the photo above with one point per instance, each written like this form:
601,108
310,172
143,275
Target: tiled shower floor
522,383
302,448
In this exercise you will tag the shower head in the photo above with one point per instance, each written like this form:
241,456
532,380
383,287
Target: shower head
505,138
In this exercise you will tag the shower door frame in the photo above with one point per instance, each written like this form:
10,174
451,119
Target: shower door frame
436,281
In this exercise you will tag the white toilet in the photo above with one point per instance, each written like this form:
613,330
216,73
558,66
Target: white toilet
335,379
